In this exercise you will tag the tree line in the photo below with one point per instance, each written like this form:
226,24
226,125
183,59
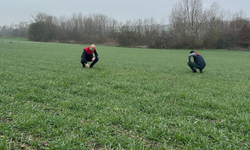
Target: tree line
189,26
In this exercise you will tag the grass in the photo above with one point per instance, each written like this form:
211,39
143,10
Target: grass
132,99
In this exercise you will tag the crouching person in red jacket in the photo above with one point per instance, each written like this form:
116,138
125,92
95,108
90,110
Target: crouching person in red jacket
87,55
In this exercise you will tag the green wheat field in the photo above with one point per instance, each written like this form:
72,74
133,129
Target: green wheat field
132,98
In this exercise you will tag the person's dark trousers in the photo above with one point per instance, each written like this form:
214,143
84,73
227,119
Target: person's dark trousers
82,62
92,64
193,65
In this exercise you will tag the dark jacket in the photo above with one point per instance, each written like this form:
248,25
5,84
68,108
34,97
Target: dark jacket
198,59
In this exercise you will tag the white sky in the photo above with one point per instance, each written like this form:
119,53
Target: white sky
15,11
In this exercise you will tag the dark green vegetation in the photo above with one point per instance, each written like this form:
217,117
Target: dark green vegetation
131,99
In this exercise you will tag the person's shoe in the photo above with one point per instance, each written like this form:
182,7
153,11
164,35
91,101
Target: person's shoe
201,71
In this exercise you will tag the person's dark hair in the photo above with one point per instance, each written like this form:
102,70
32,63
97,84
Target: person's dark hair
191,52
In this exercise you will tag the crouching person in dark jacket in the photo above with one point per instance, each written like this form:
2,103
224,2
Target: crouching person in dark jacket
87,55
198,63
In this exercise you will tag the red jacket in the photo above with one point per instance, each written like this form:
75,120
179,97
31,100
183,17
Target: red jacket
89,51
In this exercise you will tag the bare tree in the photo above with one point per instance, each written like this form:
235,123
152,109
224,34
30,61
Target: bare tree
213,26
43,28
244,36
186,21
233,28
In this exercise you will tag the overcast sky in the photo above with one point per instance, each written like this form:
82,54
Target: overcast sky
15,11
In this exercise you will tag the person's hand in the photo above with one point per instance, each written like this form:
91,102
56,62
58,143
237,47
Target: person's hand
87,65
93,59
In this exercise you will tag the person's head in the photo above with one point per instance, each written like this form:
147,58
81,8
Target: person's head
92,47
191,52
